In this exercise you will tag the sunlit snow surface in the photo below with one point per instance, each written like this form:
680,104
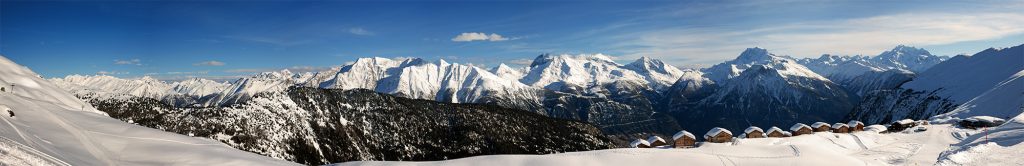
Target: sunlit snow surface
823,148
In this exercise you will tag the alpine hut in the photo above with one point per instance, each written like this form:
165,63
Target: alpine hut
684,139
656,141
640,143
753,132
801,129
821,127
718,135
775,132
901,125
856,125
840,128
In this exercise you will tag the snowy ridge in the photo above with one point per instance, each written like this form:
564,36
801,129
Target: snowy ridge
844,68
999,101
985,69
109,86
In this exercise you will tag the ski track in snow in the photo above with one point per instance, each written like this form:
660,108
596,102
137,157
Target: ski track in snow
33,151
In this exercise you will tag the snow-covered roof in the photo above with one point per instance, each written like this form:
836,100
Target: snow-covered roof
819,124
773,129
839,125
905,121
638,142
797,126
654,138
717,130
877,128
752,129
854,123
787,133
680,134
986,119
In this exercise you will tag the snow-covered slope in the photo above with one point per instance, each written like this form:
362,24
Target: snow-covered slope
997,146
1004,101
946,86
823,148
50,125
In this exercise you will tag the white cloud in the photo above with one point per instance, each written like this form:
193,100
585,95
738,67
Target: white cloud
865,36
111,73
360,31
136,62
521,62
475,36
209,63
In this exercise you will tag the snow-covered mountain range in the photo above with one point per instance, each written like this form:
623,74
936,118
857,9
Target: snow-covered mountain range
588,87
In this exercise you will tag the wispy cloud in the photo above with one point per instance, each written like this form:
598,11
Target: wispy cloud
478,36
112,72
294,69
521,62
868,35
136,62
360,31
209,63
270,40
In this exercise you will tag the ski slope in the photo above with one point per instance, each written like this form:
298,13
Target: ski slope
833,149
52,127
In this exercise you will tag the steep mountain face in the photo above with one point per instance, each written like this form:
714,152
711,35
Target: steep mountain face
943,87
876,80
320,126
759,88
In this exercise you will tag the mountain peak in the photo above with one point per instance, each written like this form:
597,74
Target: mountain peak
902,50
755,54
547,58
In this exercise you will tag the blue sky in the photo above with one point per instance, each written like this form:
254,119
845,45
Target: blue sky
223,40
